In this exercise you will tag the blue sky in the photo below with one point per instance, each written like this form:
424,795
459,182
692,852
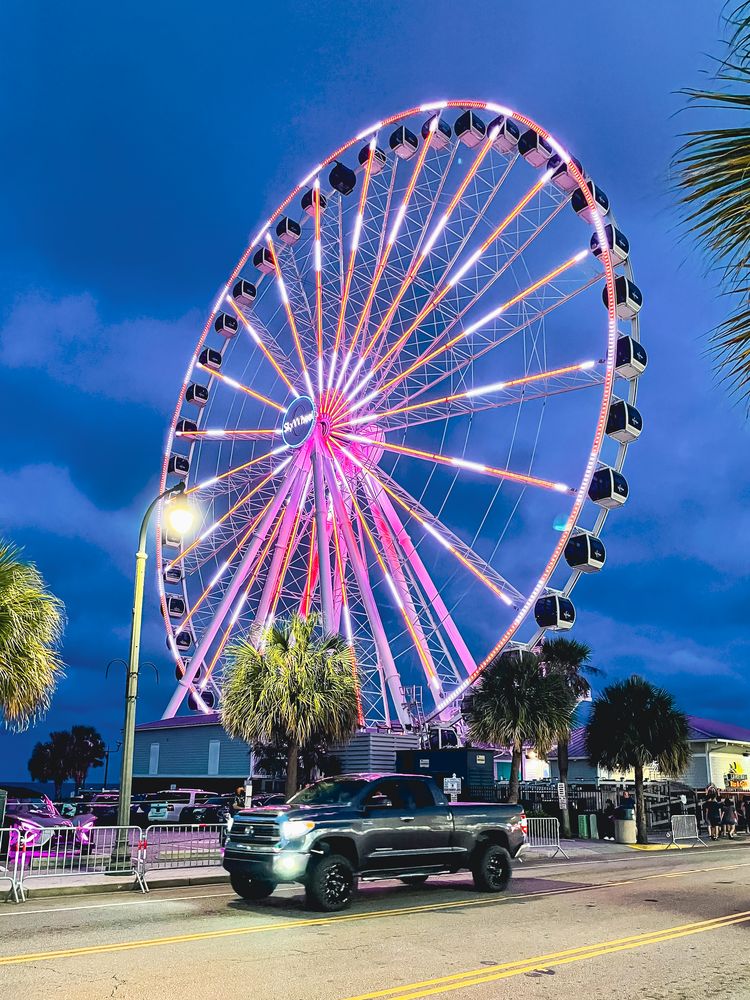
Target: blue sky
143,146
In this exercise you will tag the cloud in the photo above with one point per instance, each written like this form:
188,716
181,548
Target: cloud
70,340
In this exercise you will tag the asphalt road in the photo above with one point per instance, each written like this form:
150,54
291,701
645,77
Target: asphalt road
655,926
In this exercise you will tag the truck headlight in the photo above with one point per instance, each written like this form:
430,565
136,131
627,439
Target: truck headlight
295,829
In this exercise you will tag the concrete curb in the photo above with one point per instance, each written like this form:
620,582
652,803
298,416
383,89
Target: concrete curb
96,888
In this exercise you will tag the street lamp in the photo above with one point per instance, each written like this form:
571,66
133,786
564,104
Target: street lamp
180,517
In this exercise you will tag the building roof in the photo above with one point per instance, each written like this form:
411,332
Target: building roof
700,731
179,721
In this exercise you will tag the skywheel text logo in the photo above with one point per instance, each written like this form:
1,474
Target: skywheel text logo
298,422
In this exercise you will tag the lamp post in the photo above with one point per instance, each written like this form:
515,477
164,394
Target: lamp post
180,518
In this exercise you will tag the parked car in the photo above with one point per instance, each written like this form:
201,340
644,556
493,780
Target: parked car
370,826
215,809
39,818
269,799
168,807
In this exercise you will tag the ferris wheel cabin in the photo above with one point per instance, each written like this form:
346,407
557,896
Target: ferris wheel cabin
608,488
175,606
263,260
172,573
562,177
244,294
196,394
470,129
631,358
183,640
403,142
585,552
178,465
226,325
288,231
624,422
628,297
342,178
378,158
534,148
618,243
442,134
581,206
507,133
555,612
185,426
210,359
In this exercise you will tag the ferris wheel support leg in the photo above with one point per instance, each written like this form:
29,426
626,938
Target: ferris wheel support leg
359,567
321,532
227,600
297,497
431,593
399,580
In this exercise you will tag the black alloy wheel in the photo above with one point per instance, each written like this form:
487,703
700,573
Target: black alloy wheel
492,868
330,884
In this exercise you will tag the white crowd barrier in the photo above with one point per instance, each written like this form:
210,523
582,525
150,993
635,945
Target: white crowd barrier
10,856
685,828
544,834
168,846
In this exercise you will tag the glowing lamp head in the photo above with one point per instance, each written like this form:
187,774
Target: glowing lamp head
180,516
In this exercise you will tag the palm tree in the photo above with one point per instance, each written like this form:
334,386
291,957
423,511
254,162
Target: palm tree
295,687
31,625
634,723
571,660
87,750
713,184
51,761
517,702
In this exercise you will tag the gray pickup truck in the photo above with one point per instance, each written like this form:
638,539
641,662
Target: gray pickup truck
370,826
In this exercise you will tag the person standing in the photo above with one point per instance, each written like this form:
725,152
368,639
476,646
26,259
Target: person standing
713,816
729,817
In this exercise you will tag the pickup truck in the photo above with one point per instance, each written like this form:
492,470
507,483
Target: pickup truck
370,826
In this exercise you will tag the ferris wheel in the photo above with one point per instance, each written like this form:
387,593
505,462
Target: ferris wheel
408,411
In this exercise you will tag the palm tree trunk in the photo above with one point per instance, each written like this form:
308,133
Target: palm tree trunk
292,759
515,767
562,765
640,807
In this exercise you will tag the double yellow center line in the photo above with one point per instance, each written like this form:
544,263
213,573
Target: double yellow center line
506,970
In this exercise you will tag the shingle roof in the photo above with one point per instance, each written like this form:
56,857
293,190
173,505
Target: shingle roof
700,729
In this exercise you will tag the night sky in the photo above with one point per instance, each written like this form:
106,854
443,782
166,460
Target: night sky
140,152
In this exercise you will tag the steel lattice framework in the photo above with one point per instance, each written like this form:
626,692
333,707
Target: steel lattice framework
396,407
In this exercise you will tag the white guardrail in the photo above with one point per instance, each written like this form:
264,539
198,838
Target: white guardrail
9,861
175,846
544,834
685,828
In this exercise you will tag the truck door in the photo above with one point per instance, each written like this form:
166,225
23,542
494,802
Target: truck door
431,830
404,828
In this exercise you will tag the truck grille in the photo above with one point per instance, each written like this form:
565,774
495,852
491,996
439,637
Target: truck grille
255,830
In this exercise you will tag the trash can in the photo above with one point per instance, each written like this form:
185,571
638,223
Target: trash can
625,832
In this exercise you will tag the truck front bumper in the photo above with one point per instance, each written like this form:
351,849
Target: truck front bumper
268,865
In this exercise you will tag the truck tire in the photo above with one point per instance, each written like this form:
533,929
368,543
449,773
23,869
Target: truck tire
330,883
491,868
251,888
414,879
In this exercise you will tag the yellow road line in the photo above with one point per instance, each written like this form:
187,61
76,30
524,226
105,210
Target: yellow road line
505,970
344,918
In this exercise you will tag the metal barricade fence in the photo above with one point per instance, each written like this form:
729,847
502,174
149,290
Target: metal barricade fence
181,846
544,832
9,860
67,851
685,828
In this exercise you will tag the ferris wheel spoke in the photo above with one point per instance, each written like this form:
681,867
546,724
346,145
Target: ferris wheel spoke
343,607
474,297
386,488
458,463
286,539
228,434
231,593
431,592
450,280
409,610
456,363
208,483
489,317
258,340
388,669
289,314
474,400
234,384
383,261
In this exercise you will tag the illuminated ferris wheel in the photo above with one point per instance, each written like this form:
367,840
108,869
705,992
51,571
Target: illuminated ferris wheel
408,411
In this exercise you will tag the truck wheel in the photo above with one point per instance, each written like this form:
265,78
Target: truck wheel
330,883
414,879
251,888
491,868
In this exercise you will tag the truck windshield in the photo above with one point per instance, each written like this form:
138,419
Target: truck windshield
328,792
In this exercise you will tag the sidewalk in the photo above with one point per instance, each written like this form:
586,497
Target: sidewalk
576,850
